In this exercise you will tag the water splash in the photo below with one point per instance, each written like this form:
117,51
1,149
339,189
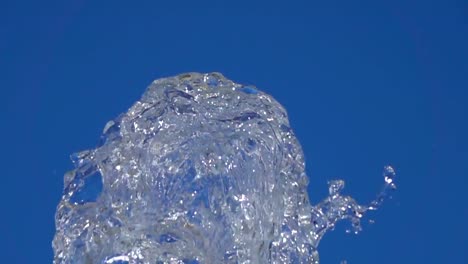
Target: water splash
337,207
199,170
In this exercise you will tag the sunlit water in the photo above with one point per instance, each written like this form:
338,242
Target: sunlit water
199,170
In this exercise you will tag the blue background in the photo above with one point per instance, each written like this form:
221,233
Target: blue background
365,84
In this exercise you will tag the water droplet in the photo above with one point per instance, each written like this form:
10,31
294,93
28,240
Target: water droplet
389,177
389,174
335,187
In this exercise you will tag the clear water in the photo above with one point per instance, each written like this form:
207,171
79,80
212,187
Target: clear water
199,170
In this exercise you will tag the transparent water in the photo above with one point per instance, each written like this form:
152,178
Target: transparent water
199,170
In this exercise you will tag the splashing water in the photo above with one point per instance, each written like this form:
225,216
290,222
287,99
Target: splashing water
199,170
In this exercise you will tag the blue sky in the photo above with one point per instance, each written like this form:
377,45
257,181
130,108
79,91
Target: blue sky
365,83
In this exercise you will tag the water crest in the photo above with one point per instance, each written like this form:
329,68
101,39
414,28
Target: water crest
199,170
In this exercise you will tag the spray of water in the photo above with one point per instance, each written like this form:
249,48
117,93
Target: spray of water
199,170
